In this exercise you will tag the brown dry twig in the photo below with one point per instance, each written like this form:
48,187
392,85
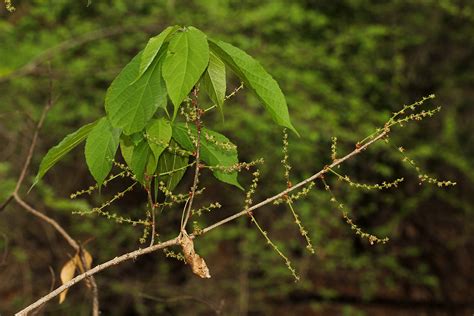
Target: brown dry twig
19,200
187,209
98,268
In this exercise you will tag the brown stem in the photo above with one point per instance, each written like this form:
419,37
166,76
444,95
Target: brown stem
198,160
98,268
152,209
48,220
31,149
15,196
93,285
39,125
298,185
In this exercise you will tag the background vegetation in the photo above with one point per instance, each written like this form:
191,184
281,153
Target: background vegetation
344,67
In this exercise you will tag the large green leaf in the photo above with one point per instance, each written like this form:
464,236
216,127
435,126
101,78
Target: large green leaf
126,149
153,46
257,79
213,80
212,151
172,167
57,152
140,155
187,58
158,135
101,145
131,103
151,164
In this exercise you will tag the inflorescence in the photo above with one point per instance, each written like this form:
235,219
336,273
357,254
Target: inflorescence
345,215
192,114
248,202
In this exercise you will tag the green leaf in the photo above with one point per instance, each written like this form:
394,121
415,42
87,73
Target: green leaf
211,152
136,138
187,58
101,145
158,135
151,164
57,152
152,48
133,152
214,82
140,155
172,168
131,103
257,79
126,149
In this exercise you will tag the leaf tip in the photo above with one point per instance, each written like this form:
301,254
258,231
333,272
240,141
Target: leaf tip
35,182
239,186
293,129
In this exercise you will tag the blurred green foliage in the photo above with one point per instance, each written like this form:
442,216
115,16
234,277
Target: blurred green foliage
344,66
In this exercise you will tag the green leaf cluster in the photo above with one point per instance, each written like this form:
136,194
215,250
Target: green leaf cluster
169,67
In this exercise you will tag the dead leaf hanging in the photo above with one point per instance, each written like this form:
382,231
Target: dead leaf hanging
198,265
67,273
69,269
87,258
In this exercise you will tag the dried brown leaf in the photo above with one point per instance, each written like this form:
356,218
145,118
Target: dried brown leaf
67,273
197,263
87,258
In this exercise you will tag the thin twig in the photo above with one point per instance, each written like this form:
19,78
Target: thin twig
5,204
48,220
93,284
227,97
152,209
298,185
16,196
198,123
175,241
48,106
98,268
26,165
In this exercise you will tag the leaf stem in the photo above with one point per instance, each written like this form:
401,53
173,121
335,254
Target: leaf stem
197,121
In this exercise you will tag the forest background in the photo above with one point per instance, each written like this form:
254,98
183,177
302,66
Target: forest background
344,67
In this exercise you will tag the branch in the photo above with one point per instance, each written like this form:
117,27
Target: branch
175,241
93,285
26,165
98,268
152,210
188,209
74,244
15,196
298,185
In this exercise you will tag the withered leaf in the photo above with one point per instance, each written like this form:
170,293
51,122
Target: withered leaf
197,263
88,261
67,273
87,258
69,269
